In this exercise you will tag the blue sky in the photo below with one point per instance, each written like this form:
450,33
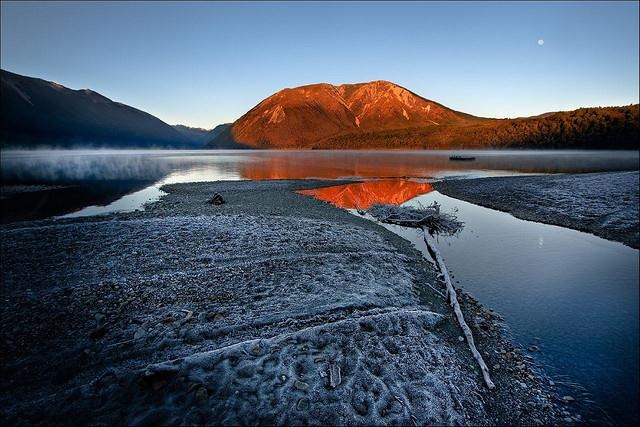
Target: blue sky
203,63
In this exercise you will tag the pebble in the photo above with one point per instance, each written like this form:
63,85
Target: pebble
568,398
283,378
140,333
301,385
99,318
303,404
202,394
460,338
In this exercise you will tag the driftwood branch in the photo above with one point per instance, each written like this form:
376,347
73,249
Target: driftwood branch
432,221
431,216
453,300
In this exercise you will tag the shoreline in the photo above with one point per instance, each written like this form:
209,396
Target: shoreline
239,296
604,204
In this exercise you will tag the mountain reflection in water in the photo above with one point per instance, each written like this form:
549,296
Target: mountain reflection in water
109,171
363,195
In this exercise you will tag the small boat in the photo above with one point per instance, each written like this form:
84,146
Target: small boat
461,158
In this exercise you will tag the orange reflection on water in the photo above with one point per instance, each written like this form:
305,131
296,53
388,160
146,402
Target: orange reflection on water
363,195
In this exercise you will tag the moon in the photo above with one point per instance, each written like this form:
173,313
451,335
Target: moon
540,42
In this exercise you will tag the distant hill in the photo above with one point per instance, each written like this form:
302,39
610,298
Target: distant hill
37,112
382,115
198,136
202,137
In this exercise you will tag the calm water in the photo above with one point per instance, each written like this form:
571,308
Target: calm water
142,172
572,294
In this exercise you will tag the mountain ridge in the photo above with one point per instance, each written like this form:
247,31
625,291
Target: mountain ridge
381,114
36,112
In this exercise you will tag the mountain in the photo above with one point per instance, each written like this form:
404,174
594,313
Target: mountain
198,136
37,112
381,114
201,137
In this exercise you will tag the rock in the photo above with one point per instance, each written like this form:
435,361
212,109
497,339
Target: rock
202,317
568,398
283,378
98,333
334,375
461,339
202,394
255,350
551,383
568,420
533,348
99,319
169,319
216,199
303,404
301,385
140,334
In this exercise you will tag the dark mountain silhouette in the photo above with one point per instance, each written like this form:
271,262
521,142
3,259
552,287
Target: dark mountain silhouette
36,112
198,136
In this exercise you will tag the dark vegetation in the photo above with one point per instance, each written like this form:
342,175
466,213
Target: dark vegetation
585,128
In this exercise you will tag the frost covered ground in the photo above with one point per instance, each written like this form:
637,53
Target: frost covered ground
605,204
273,308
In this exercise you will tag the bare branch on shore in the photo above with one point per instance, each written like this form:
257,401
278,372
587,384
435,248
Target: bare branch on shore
433,222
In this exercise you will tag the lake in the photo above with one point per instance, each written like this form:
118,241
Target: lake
100,181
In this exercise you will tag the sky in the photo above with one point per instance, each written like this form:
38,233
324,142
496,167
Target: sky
206,63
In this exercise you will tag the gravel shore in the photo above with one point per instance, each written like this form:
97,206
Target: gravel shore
273,308
605,204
